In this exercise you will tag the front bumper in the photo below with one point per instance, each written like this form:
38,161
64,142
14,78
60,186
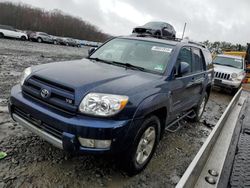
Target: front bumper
63,131
226,83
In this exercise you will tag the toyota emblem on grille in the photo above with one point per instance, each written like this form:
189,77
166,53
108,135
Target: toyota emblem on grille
45,93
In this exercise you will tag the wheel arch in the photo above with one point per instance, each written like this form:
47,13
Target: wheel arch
157,105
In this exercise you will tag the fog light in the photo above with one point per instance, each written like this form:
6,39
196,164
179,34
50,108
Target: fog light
92,143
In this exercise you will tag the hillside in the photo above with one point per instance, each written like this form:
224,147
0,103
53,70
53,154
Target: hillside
54,22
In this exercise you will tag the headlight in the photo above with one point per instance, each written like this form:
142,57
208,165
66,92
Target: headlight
234,75
25,74
101,104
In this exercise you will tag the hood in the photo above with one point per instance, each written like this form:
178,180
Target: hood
86,76
226,69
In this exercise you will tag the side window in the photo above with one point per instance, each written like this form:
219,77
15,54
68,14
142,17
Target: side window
185,55
198,62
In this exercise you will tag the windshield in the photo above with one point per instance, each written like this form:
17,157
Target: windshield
228,61
151,56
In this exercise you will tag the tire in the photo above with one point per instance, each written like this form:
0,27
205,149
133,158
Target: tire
54,42
23,38
143,147
200,108
67,44
1,35
173,36
157,34
39,40
235,90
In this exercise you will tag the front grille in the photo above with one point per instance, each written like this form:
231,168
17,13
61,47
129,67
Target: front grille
38,123
60,96
222,75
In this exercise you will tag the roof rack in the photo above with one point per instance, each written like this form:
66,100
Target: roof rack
168,38
155,36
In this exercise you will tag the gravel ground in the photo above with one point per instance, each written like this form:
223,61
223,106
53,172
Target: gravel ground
32,162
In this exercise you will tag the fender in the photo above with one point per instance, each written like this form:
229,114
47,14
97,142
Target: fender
152,103
147,106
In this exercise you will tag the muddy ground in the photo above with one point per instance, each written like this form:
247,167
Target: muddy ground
32,162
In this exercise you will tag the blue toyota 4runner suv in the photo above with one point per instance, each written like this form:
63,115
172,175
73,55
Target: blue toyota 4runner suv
118,100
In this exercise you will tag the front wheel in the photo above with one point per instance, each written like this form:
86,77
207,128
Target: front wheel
23,38
200,108
143,148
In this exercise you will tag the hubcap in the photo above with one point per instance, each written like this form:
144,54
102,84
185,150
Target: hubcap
202,106
145,145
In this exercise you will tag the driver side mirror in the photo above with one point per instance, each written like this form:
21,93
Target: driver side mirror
184,68
91,50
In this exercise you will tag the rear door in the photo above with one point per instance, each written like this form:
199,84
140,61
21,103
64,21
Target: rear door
198,74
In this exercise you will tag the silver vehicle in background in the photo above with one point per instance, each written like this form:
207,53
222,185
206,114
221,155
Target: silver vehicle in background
41,37
229,71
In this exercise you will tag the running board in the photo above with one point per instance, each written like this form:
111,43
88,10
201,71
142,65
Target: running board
176,125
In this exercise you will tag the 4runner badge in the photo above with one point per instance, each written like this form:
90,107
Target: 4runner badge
45,93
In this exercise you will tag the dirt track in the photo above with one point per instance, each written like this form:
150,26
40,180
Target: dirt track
32,162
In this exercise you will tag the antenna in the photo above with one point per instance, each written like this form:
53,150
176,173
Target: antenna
184,30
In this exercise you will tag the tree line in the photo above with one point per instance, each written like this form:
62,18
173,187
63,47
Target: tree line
219,47
56,22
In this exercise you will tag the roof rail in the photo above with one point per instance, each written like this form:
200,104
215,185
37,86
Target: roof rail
193,42
168,38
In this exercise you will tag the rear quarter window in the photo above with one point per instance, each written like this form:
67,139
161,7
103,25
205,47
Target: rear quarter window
208,59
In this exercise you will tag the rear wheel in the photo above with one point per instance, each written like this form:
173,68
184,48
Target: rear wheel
54,42
1,35
200,108
39,40
140,153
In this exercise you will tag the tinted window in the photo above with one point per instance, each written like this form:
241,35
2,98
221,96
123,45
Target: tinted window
197,65
185,55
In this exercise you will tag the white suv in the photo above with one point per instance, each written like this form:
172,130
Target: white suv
229,71
11,32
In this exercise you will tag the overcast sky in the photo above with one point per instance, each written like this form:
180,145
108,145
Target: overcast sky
215,20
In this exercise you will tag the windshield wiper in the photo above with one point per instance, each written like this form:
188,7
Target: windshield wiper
127,65
102,60
231,66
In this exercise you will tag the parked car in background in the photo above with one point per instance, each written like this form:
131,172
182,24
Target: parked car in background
71,42
11,32
161,29
78,43
68,42
57,39
119,100
41,37
229,71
